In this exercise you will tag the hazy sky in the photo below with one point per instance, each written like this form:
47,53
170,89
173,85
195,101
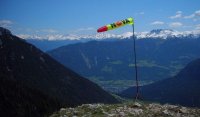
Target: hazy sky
43,17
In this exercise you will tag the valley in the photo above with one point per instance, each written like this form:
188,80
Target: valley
110,63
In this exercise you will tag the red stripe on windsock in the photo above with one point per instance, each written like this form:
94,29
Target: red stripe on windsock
102,29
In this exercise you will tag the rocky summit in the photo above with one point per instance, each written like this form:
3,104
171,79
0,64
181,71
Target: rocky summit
128,110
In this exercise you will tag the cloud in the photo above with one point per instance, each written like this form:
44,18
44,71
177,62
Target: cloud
195,15
85,29
157,23
28,36
24,36
80,30
5,23
178,15
141,13
197,27
175,24
49,30
189,16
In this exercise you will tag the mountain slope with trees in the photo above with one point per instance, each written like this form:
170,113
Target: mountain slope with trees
31,72
111,63
183,89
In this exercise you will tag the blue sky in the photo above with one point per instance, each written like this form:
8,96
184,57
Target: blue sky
43,17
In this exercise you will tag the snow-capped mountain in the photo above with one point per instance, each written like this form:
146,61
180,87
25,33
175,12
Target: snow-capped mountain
98,36
157,33
167,33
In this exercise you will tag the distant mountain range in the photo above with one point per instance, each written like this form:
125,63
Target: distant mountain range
156,33
183,89
46,45
55,41
111,63
167,34
33,84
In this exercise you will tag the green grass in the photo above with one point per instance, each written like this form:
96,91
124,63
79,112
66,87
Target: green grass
116,62
107,69
116,85
145,63
176,66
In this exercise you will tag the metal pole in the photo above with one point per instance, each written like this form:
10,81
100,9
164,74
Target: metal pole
136,71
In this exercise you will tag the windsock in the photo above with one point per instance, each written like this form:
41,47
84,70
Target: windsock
116,25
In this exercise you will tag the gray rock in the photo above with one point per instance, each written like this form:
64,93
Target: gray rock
110,115
183,110
123,110
122,114
136,104
135,111
166,112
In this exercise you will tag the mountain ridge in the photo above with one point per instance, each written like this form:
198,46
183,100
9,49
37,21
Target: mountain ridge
22,63
155,33
181,89
106,61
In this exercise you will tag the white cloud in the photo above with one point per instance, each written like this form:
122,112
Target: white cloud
141,13
178,15
195,15
175,24
197,27
189,16
85,29
157,23
27,36
49,30
24,36
179,12
5,23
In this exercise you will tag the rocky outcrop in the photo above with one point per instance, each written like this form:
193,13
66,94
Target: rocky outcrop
128,110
